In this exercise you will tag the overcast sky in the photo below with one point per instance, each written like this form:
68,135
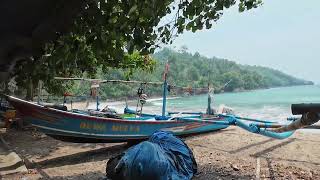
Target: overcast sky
282,34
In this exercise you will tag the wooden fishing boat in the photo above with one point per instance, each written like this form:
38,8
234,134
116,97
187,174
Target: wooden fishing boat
82,127
86,126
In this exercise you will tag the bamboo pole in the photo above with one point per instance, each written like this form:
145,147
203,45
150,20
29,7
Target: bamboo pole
109,81
124,81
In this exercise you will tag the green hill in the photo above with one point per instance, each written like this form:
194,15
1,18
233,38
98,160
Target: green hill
194,70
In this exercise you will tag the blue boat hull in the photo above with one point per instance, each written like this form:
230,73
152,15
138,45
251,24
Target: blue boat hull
76,127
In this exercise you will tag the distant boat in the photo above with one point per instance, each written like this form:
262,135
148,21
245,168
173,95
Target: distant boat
81,126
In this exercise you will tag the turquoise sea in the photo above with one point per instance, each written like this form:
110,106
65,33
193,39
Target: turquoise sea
273,103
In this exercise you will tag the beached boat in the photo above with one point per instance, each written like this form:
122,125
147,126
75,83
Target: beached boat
83,127
97,126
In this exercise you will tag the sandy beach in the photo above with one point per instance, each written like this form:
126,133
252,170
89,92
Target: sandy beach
226,154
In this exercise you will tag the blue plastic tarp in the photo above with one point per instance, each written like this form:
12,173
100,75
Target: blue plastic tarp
162,157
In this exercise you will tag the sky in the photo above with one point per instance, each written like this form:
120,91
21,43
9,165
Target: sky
282,34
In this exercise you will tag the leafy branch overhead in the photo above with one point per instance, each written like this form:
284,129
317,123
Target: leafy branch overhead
106,31
114,33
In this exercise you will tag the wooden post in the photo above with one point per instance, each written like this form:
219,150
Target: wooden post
258,169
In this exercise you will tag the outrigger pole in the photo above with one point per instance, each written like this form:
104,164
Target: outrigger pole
109,81
96,83
164,83
310,115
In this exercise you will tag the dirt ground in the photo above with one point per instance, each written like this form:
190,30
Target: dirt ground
226,154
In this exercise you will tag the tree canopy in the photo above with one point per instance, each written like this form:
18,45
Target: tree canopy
120,34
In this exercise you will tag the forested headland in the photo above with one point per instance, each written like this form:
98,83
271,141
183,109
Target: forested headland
192,71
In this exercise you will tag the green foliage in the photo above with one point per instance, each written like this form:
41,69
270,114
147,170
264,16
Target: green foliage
106,31
119,34
274,78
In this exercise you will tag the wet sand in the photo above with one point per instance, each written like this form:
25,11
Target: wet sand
226,154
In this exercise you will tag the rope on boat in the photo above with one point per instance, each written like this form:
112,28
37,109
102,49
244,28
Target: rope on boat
267,128
307,119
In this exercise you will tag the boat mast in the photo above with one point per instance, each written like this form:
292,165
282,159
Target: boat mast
95,88
164,97
165,89
209,108
97,101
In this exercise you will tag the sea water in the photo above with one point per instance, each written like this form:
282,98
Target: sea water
273,103
267,104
